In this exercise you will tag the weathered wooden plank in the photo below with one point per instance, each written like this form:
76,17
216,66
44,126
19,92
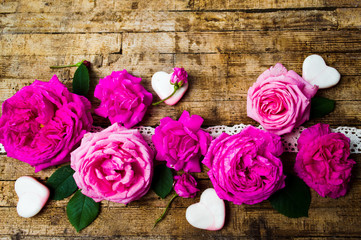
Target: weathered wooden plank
57,44
241,221
239,65
349,18
45,6
243,42
218,66
39,6
154,21
272,4
8,6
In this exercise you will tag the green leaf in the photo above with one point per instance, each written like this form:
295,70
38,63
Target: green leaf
293,200
82,210
321,106
61,183
162,180
81,80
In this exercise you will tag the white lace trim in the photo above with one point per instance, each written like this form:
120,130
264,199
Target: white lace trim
289,140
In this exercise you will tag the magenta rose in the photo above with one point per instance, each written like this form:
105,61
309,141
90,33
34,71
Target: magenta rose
115,164
185,185
245,168
42,123
280,100
181,143
123,98
323,160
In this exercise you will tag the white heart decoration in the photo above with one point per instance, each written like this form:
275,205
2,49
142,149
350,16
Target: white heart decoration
162,87
32,196
316,72
209,213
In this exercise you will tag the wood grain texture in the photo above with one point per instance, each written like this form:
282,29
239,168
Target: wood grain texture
224,45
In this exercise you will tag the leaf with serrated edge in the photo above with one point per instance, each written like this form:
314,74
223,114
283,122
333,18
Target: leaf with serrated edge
61,183
82,210
81,80
162,180
321,106
294,199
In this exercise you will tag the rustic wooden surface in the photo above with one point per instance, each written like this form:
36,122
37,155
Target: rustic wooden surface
224,45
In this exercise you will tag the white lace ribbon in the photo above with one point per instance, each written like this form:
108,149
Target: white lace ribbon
289,141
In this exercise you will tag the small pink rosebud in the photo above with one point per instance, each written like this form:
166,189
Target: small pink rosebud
86,63
185,185
179,76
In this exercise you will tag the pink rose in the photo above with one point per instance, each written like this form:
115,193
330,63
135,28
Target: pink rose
322,161
245,168
280,100
123,98
115,164
181,143
185,185
42,123
179,77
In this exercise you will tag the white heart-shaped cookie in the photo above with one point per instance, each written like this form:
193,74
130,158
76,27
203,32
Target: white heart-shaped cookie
316,72
162,87
209,213
32,196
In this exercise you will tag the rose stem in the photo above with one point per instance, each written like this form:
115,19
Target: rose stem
175,89
165,210
73,65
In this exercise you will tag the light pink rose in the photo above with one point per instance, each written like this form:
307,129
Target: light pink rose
323,160
115,164
280,100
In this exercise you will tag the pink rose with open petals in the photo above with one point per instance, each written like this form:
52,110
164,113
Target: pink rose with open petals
181,143
43,122
245,168
323,160
123,98
185,185
280,100
115,164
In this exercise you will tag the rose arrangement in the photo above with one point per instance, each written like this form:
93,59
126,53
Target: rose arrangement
44,122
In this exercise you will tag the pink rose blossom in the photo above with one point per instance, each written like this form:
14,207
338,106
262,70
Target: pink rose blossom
280,100
123,98
185,185
181,143
41,123
179,76
323,160
245,168
115,164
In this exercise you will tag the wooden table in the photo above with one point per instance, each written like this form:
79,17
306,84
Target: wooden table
224,46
